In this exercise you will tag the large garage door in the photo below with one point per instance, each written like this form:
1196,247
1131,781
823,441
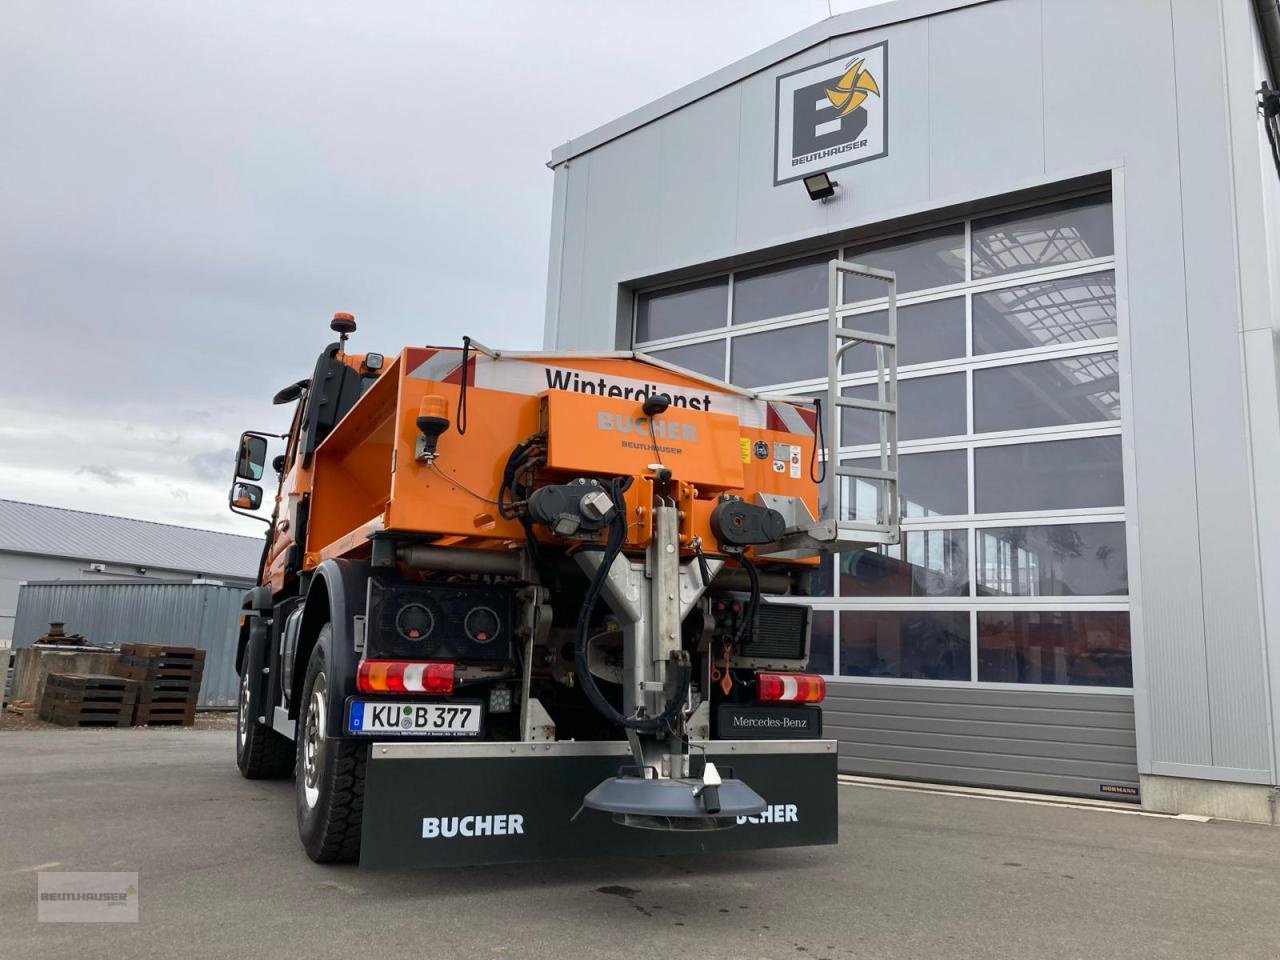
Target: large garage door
991,646
1051,742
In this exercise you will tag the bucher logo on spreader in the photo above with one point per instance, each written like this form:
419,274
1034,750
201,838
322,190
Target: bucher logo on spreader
775,813
474,825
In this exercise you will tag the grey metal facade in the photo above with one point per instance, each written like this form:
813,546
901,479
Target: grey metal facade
204,615
994,103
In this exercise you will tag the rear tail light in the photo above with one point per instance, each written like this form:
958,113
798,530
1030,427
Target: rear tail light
404,676
790,687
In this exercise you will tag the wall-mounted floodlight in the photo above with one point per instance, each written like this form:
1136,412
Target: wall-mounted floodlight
820,186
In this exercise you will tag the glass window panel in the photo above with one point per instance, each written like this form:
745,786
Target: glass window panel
1048,393
1084,648
912,644
822,577
782,289
822,643
676,311
933,258
927,563
1056,233
1059,475
779,356
929,484
927,407
1070,310
926,332
1057,560
707,358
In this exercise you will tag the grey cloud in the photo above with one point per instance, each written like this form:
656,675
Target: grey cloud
213,466
182,217
104,474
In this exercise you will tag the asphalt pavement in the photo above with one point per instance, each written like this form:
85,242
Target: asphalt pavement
915,875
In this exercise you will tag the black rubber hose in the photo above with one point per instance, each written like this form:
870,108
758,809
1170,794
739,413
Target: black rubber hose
750,626
818,443
613,546
461,420
509,475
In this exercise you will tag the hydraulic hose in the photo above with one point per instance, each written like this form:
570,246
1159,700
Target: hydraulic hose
613,546
750,625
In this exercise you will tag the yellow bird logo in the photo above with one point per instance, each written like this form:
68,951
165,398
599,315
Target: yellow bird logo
852,88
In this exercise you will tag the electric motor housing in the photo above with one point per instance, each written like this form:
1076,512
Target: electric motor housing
737,523
578,509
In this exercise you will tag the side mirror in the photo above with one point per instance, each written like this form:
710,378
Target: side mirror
252,457
246,496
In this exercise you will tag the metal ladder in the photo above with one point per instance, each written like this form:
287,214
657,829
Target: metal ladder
884,529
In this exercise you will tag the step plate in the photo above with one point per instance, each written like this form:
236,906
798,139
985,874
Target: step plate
457,804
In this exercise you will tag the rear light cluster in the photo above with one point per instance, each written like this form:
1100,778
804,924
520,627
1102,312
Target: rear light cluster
404,676
790,687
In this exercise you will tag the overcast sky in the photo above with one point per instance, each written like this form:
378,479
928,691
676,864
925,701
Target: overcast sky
188,190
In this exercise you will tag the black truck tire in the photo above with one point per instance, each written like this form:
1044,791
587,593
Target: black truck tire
330,773
261,752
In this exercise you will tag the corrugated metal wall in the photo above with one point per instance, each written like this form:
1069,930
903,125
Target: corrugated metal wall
203,615
1022,739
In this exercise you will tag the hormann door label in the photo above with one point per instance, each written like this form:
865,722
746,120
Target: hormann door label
832,115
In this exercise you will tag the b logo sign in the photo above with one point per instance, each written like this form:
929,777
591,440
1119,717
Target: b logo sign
832,115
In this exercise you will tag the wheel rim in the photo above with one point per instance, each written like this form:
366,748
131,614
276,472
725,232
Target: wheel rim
313,742
242,719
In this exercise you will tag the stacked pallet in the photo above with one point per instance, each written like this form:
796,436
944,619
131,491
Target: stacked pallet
88,700
169,682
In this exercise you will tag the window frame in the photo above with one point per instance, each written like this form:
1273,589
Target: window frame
969,441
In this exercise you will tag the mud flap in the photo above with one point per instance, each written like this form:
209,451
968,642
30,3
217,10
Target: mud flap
455,804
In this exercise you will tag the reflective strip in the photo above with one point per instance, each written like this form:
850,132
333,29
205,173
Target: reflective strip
791,419
438,366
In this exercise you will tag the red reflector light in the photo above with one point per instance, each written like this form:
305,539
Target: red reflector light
790,687
404,676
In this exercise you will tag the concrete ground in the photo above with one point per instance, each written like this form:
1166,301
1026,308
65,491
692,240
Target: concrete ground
915,875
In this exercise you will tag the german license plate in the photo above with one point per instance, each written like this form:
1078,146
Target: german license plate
452,719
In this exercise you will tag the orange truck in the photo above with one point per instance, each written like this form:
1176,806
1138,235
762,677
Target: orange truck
513,606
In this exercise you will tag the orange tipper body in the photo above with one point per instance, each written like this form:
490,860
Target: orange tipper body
366,476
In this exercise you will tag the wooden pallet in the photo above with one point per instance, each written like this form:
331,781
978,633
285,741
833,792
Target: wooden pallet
88,700
164,714
143,662
168,690
164,653
169,682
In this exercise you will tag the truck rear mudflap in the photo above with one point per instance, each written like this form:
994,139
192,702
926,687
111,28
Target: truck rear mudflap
458,804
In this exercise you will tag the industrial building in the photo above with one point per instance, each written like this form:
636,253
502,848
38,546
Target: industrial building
1079,199
52,543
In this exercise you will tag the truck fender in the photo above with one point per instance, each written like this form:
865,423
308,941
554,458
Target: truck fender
256,600
338,592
